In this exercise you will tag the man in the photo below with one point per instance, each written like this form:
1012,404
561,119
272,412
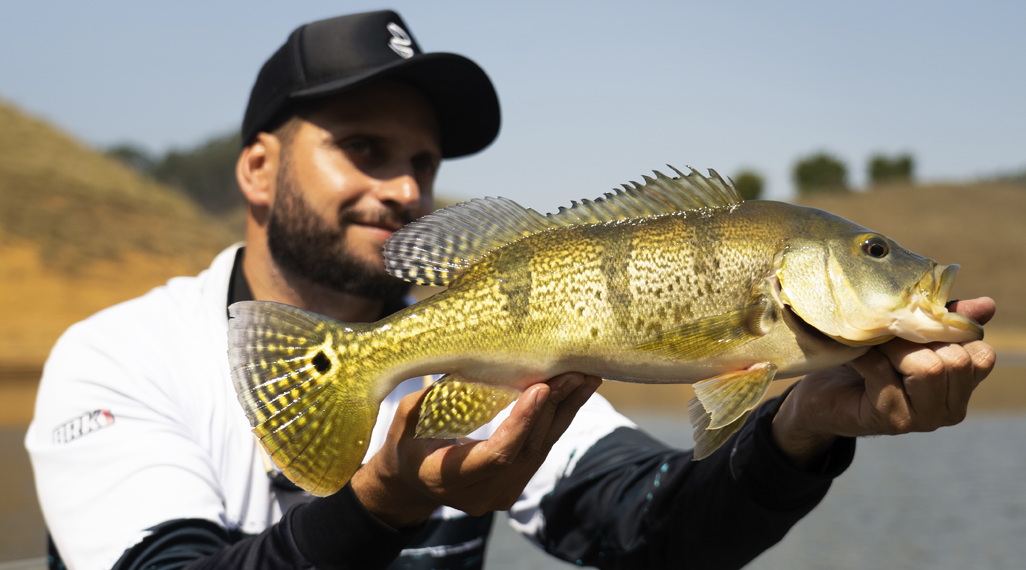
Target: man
344,133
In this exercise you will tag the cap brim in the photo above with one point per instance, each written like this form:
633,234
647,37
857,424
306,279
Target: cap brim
458,89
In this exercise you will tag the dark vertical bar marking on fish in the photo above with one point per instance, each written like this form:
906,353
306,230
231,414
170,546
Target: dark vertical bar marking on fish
513,270
615,267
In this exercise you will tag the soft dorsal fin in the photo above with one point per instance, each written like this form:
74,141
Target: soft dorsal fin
435,249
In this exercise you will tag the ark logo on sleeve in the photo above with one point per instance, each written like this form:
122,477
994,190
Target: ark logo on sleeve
85,424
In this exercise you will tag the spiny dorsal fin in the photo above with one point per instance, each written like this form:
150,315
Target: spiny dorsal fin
657,196
435,249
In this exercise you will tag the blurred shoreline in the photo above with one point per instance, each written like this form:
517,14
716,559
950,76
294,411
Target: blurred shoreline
1004,390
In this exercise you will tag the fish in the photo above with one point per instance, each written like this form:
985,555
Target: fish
674,280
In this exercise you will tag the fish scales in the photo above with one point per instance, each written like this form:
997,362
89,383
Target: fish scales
691,286
585,292
555,288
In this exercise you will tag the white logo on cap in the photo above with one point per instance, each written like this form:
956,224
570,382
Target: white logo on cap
401,42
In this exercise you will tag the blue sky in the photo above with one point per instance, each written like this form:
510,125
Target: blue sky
593,93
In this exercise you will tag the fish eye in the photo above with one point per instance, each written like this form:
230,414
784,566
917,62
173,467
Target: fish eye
876,247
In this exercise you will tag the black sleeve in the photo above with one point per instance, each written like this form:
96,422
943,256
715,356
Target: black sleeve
331,533
633,502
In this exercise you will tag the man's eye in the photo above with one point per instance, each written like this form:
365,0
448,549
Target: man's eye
424,164
356,146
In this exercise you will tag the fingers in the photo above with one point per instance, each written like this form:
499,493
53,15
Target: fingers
526,436
983,359
569,392
492,473
928,377
936,380
961,380
502,449
894,388
523,439
408,412
565,400
980,310
567,410
885,409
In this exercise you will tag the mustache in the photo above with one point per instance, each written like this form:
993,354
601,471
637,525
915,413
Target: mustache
384,217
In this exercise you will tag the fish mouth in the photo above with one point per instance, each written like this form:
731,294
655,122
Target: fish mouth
927,318
936,285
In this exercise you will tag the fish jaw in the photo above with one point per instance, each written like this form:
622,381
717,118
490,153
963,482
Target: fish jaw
925,318
920,317
917,313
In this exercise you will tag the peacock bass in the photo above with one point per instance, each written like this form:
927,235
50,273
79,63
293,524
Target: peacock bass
676,280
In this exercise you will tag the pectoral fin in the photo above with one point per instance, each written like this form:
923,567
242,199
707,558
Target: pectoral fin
713,335
723,403
456,406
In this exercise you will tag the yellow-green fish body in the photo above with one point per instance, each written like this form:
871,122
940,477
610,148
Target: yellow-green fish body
674,281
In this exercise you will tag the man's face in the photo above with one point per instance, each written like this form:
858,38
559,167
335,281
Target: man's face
351,173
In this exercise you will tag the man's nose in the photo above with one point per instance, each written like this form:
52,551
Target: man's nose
402,190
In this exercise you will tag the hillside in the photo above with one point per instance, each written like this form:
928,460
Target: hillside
79,232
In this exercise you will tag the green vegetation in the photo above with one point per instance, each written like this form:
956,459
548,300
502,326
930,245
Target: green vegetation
884,170
205,173
820,172
79,205
749,184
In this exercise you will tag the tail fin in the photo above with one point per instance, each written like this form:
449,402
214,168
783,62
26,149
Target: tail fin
313,419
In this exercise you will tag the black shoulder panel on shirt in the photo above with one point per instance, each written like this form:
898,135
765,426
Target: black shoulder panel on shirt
336,533
196,544
174,544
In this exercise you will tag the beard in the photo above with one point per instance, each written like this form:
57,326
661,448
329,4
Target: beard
304,246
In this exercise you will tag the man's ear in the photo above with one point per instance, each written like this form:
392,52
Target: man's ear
257,170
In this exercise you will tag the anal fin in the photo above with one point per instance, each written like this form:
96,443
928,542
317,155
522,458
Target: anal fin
456,406
723,403
709,440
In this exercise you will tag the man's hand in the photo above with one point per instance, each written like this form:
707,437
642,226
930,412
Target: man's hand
897,387
409,478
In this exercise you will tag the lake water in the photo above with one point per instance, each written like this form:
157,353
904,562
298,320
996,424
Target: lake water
949,500
953,499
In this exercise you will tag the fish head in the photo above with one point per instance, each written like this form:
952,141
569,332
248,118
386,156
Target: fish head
861,288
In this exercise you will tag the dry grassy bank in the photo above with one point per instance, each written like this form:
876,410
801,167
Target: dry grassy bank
80,232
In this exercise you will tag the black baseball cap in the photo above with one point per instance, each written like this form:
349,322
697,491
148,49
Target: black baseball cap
332,56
